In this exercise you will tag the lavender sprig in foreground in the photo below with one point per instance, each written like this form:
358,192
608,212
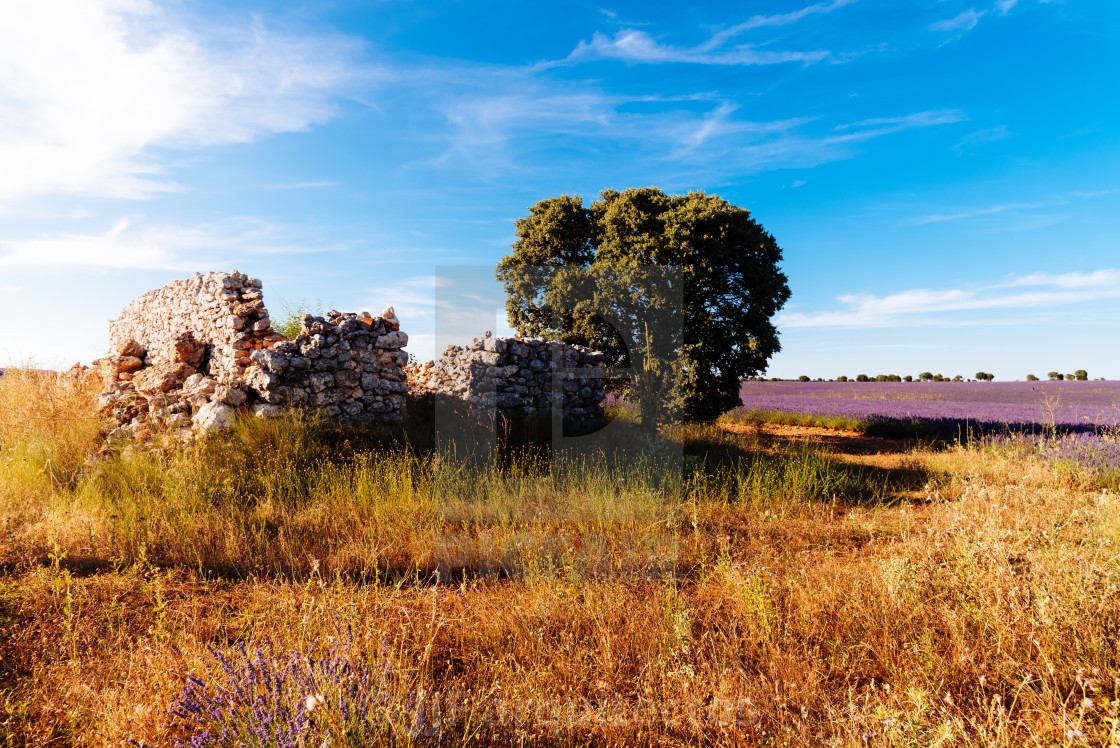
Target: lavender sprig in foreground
262,698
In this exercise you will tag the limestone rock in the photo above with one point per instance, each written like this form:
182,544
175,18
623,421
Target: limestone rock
130,347
270,360
187,350
162,378
390,316
214,417
234,397
114,365
261,381
396,339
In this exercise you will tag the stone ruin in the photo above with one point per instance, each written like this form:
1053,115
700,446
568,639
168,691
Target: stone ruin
187,357
195,351
516,375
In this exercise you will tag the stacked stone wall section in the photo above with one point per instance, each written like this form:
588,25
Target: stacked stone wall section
519,375
196,350
223,312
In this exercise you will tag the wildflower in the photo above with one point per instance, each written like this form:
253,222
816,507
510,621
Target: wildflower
314,701
1071,734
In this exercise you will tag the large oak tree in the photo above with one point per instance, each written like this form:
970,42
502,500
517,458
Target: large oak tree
699,326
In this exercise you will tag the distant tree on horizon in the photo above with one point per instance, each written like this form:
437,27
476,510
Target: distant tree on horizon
926,376
1054,376
1082,375
1032,378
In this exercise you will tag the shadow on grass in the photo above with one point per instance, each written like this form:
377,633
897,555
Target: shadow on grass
750,468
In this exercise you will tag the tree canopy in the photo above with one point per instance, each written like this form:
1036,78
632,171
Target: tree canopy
588,275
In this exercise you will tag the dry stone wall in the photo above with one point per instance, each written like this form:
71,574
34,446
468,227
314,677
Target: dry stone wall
223,314
189,355
186,357
349,365
516,375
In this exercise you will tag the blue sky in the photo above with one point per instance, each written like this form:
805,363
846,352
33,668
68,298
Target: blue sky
942,175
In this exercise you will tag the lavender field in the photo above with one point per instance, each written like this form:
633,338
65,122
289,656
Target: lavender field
941,407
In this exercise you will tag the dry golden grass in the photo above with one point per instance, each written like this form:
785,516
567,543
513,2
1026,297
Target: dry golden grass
982,610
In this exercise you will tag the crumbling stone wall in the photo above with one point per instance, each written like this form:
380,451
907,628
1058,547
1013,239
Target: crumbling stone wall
194,352
191,354
349,365
224,313
515,375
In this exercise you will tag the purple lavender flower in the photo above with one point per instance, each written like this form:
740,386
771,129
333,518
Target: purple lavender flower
292,700
946,408
1092,455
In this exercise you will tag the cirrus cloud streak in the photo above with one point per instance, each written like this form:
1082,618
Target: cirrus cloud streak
924,307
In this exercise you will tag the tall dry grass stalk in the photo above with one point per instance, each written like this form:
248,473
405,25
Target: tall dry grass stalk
970,599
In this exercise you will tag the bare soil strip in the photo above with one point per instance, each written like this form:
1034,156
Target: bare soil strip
848,446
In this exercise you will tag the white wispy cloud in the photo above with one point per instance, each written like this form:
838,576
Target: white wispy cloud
636,46
90,88
489,130
448,307
878,126
1098,278
1031,208
779,19
980,137
128,246
413,299
693,134
924,307
965,21
494,119
633,45
977,212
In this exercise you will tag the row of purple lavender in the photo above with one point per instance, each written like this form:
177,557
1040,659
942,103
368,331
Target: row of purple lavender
1095,456
946,407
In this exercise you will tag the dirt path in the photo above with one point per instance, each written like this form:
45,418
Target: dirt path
848,446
